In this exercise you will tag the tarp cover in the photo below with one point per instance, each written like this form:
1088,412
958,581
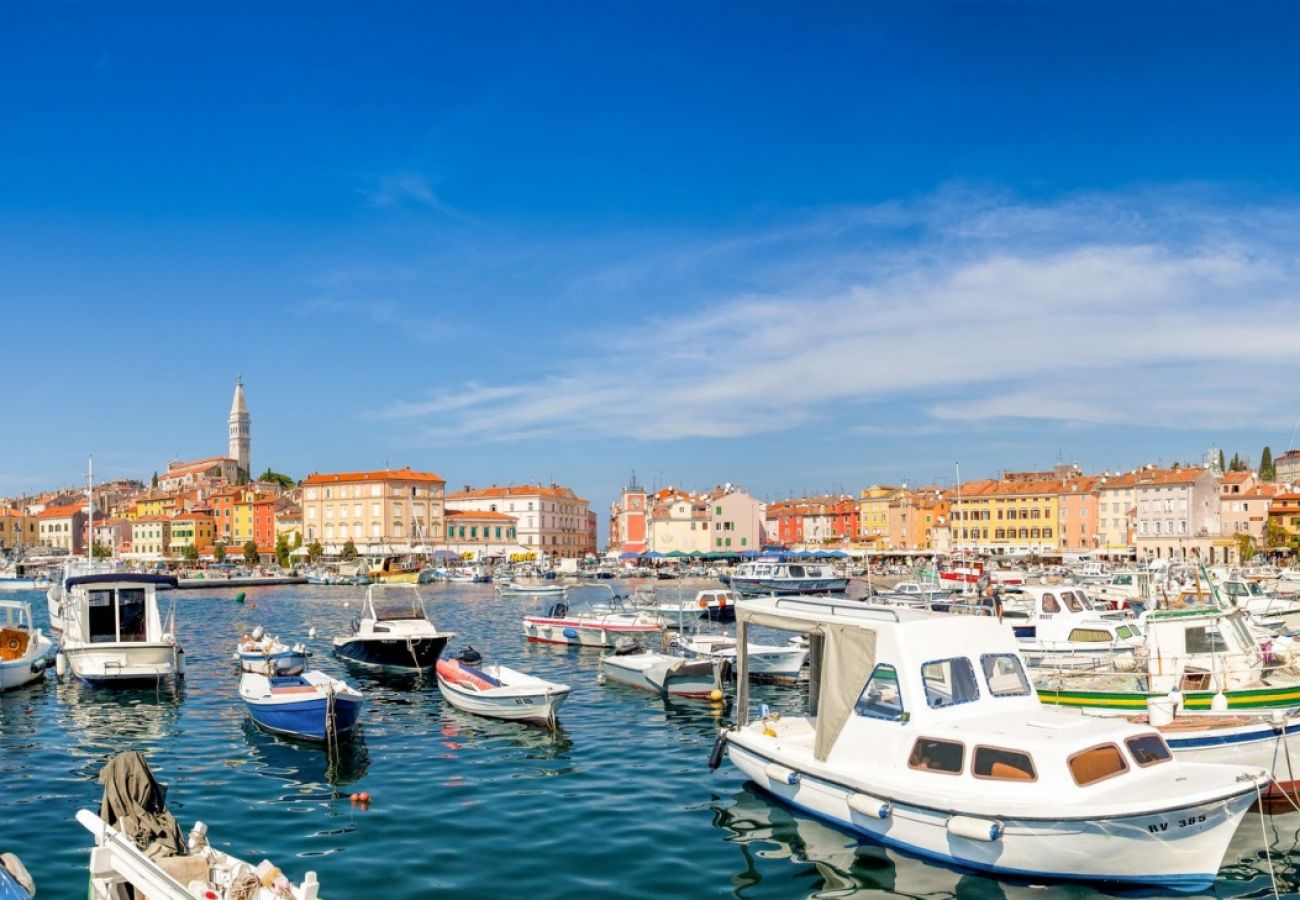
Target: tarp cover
842,658
136,804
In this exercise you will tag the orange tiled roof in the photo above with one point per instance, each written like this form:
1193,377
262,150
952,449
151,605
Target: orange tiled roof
402,474
61,512
478,515
1236,477
1170,476
515,490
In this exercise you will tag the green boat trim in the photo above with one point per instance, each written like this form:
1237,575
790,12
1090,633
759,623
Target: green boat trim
1257,698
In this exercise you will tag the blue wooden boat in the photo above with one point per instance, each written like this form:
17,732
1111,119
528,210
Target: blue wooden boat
312,706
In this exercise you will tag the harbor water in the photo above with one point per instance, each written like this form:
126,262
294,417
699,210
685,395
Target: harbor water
619,802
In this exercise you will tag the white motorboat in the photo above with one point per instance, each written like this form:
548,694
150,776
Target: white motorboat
530,589
1267,609
24,651
767,662
113,631
499,692
592,627
394,631
266,654
781,576
1057,626
713,604
662,674
925,734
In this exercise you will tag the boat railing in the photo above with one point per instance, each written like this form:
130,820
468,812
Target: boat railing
838,609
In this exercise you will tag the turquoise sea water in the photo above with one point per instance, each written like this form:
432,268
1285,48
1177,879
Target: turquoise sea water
619,802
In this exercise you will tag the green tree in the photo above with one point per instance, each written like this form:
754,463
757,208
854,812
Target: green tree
154,483
190,553
282,549
279,478
1223,466
99,551
1266,469
297,539
251,556
314,550
219,552
1246,548
1275,535
349,550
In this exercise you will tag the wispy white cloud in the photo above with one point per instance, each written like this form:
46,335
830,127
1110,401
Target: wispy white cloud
1151,309
406,188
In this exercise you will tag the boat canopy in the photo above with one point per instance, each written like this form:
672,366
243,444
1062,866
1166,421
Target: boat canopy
123,578
842,655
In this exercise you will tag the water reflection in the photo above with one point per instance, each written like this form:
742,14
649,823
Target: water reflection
459,731
308,764
103,722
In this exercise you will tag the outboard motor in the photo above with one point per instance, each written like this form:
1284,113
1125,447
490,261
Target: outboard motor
469,656
626,645
559,610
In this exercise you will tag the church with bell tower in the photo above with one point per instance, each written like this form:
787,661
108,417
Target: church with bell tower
239,427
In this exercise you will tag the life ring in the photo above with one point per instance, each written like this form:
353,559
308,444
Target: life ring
704,604
722,601
14,644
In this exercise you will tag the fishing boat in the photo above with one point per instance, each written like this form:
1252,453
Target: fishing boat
267,655
1208,655
393,632
1057,626
499,692
770,575
397,570
169,867
24,651
661,673
925,734
592,627
779,663
311,706
714,604
113,631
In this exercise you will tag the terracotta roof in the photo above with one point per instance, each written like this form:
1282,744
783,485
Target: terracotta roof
516,490
12,513
403,474
475,515
1170,476
61,512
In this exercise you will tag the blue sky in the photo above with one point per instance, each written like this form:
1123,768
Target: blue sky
799,246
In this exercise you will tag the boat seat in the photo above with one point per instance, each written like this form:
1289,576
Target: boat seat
13,643
480,674
294,689
1008,772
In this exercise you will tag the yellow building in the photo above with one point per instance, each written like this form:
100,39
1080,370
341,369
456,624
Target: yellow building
873,513
17,529
151,505
190,529
1016,514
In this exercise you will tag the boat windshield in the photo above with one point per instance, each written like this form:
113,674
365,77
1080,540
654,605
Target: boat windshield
116,615
389,605
1071,601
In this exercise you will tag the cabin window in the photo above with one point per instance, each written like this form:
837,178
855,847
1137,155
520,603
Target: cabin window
949,682
1090,635
1050,605
1125,631
1148,749
937,756
1005,675
881,699
1084,599
1205,639
1123,580
1096,764
131,614
796,571
1071,601
103,617
1003,765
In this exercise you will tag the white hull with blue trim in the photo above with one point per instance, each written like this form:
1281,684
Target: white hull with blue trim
925,734
312,706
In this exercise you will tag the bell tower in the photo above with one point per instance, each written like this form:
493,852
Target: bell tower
239,427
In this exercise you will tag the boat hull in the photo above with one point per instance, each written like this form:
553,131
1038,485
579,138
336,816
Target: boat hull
1146,849
304,714
1280,697
30,667
396,654
691,678
123,663
765,586
579,634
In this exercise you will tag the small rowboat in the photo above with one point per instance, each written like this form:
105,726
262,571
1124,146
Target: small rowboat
312,706
667,676
264,654
499,692
24,651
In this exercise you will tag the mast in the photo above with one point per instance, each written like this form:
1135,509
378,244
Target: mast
90,508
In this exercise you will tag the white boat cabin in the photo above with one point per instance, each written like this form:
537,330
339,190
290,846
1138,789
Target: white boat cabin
937,707
1062,617
1200,649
